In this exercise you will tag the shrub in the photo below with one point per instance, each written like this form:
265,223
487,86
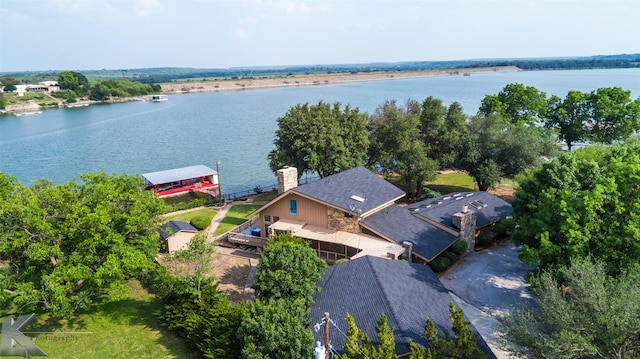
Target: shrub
258,189
504,227
459,247
429,193
450,255
485,241
439,264
341,260
200,222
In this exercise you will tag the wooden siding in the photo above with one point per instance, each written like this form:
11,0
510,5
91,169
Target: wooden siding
308,211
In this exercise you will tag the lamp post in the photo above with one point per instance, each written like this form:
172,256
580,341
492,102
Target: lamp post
219,187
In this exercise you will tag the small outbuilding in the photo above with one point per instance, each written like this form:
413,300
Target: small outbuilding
194,178
177,234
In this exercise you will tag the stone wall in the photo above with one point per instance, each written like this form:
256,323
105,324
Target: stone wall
338,221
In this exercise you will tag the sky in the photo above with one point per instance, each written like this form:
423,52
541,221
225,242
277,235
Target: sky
40,35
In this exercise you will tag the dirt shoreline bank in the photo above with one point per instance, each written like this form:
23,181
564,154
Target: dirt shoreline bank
314,80
175,88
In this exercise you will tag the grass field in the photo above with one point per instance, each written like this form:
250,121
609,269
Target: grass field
452,182
188,215
236,216
115,328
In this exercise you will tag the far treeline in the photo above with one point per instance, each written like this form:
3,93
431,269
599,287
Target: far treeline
170,74
513,131
74,86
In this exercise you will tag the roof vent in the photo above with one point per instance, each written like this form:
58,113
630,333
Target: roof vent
357,198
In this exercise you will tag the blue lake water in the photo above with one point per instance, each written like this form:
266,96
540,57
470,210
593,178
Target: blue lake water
235,128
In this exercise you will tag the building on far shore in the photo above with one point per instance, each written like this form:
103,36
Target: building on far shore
198,178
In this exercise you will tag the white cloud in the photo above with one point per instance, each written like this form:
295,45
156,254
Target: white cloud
146,7
241,33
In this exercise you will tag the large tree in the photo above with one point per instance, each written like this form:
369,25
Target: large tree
397,145
494,151
444,131
569,117
614,115
207,321
67,244
276,329
517,105
320,138
585,315
74,81
582,204
192,265
288,269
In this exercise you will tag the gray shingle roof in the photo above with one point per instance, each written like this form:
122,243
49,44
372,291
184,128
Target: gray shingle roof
488,207
400,224
339,190
367,287
177,174
172,227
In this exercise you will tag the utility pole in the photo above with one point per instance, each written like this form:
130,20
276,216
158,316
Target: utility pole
327,350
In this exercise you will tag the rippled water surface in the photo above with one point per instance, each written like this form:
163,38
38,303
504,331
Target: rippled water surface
235,128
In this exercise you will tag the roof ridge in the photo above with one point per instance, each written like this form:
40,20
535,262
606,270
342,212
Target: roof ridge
392,310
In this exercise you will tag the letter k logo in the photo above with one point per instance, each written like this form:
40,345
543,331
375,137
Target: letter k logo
12,336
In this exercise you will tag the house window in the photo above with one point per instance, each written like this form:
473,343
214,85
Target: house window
293,207
348,215
267,218
276,218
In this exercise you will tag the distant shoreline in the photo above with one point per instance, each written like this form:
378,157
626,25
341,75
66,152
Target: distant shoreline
174,88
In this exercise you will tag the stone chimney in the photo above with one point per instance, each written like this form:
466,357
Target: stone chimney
408,250
465,220
287,179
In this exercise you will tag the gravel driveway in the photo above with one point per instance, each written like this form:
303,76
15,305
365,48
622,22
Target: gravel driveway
486,284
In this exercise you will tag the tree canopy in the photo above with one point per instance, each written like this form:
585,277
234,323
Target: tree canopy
288,269
67,244
276,324
320,138
397,146
74,81
495,151
587,314
579,204
517,105
276,329
614,115
444,131
463,345
569,117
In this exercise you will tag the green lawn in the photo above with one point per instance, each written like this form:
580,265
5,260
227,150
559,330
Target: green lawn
117,328
265,197
453,182
187,216
236,216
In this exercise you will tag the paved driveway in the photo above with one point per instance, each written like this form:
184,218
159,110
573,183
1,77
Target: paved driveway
486,284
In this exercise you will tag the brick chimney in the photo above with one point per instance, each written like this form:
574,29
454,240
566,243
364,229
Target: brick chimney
287,179
465,220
